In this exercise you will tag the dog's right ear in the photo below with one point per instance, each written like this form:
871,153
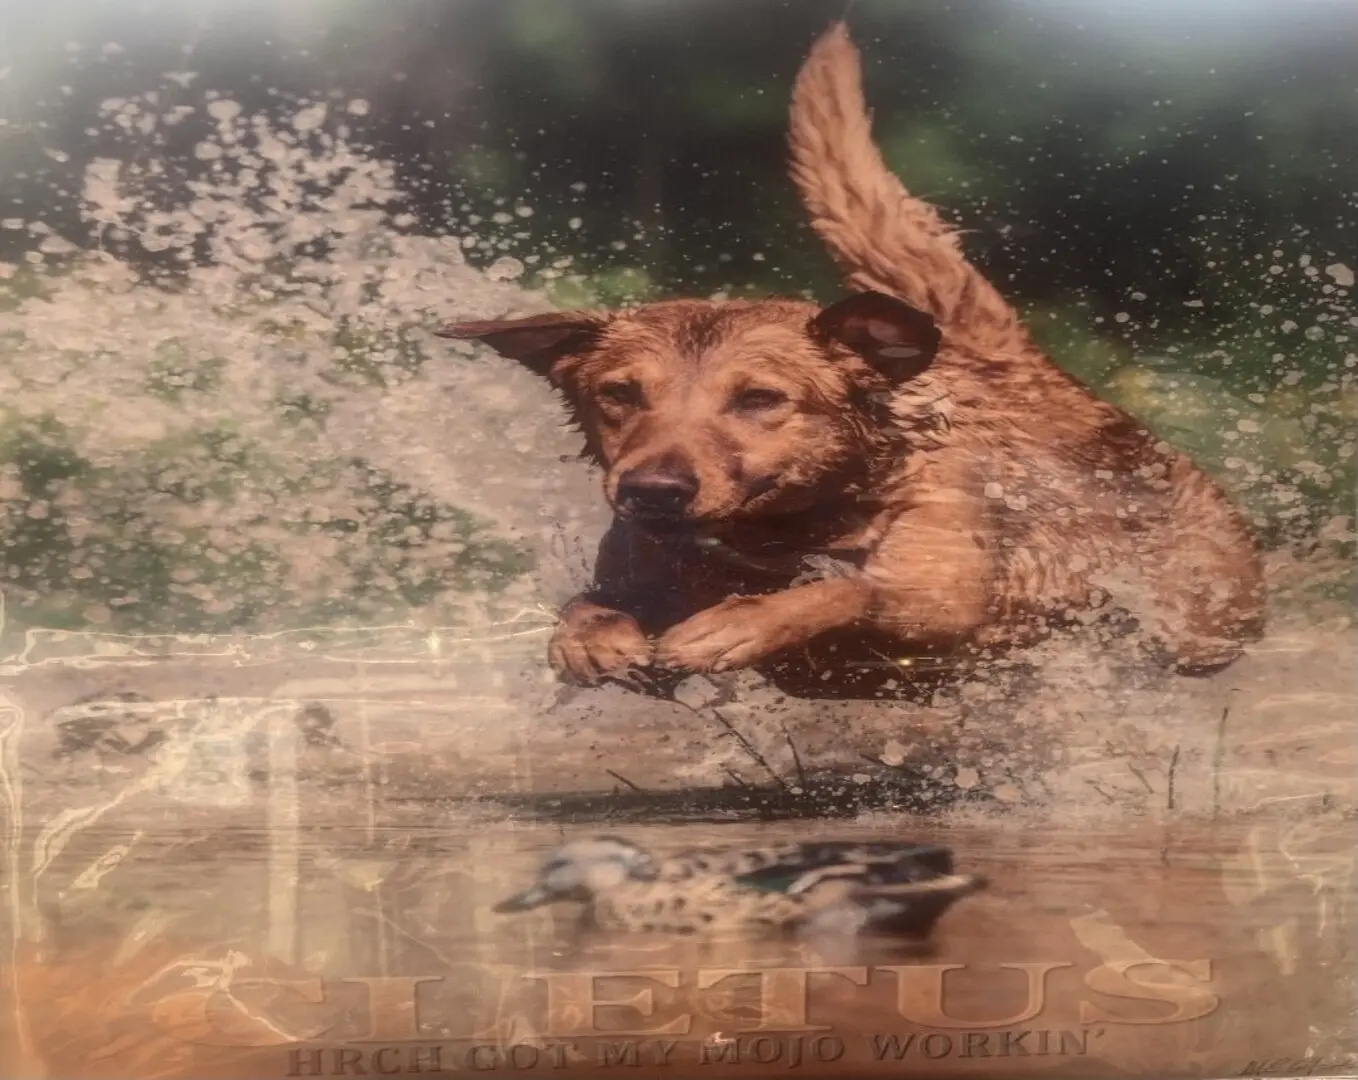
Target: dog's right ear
537,341
898,340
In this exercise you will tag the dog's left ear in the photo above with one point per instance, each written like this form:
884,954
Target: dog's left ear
537,342
898,340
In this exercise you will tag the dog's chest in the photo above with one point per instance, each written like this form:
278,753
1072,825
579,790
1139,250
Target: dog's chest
674,577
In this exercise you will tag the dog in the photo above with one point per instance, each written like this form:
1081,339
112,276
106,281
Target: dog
900,473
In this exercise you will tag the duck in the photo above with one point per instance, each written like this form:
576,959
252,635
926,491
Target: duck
836,887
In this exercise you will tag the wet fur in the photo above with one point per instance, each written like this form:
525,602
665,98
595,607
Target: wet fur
972,495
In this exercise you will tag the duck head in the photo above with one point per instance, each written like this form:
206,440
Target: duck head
579,871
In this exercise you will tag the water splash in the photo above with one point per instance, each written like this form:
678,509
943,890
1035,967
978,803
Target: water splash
221,411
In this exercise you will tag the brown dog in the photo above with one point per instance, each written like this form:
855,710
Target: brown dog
960,492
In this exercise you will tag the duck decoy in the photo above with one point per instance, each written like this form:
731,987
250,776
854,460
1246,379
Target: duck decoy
845,887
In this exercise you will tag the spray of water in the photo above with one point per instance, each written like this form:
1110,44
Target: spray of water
226,411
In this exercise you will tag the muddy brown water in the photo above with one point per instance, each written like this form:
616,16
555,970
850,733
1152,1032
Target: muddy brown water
201,949
196,883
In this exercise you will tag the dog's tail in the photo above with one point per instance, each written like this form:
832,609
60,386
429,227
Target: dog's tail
883,237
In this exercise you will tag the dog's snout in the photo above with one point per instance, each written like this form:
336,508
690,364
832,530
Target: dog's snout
656,493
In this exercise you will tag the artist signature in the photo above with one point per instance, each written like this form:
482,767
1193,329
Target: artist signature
1314,1066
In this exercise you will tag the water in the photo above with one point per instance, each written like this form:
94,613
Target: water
1256,929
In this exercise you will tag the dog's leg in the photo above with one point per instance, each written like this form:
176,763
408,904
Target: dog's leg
935,571
1205,578
1207,601
600,634
938,611
743,630
593,643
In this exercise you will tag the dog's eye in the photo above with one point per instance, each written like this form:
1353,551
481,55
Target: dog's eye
758,399
621,392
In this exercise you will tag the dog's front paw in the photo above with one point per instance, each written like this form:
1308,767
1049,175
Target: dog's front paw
594,643
736,633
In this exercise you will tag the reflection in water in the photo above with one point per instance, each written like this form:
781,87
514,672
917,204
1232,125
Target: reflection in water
1068,939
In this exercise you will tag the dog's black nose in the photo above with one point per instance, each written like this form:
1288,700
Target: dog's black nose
656,494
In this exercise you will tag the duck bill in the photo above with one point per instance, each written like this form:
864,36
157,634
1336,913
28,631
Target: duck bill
953,885
961,884
524,901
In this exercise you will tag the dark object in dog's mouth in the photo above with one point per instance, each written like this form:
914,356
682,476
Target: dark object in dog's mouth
682,529
669,527
811,565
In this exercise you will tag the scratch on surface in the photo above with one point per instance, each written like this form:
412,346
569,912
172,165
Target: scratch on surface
284,817
105,864
27,1060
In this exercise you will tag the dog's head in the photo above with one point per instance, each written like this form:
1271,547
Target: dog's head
704,413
